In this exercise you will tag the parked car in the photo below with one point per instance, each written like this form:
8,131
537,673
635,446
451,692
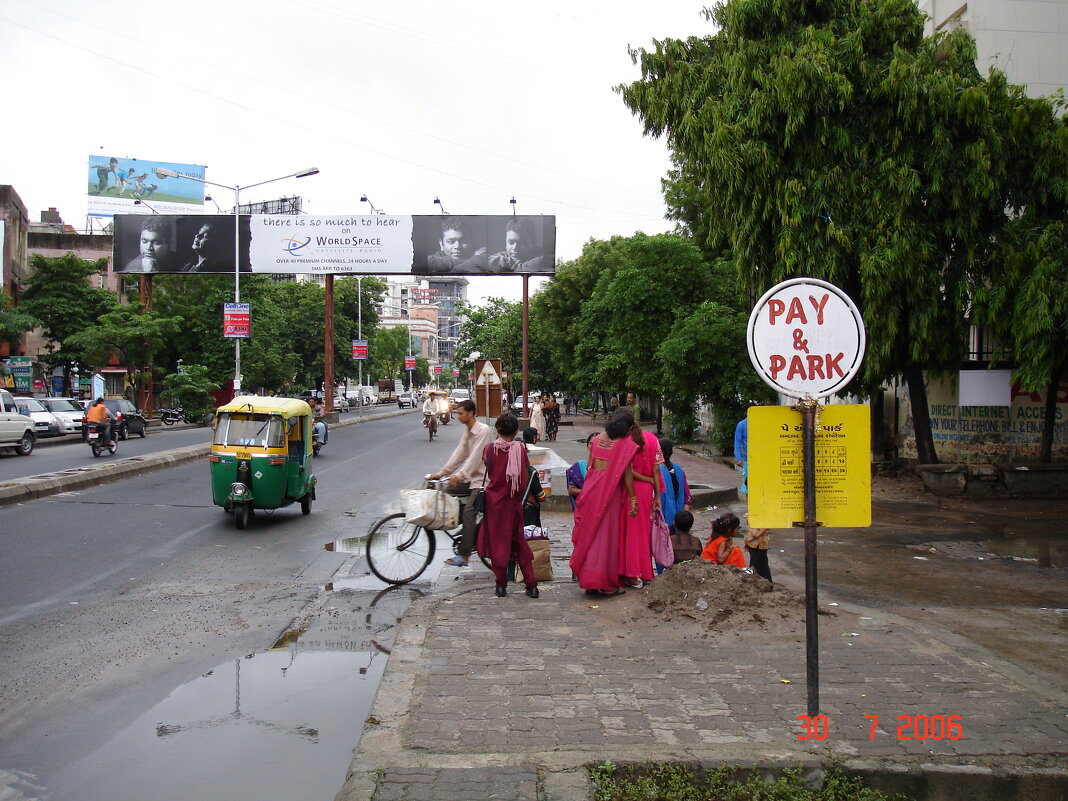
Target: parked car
45,424
129,419
16,430
518,405
405,401
69,412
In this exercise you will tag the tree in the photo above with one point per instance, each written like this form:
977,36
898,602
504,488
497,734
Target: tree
633,291
130,334
389,348
13,322
833,140
58,295
192,389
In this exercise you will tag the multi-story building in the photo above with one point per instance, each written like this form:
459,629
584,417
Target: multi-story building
1025,39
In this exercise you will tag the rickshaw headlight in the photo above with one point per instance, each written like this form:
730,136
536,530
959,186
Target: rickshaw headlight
238,489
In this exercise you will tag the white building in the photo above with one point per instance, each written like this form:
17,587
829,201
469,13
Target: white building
1025,39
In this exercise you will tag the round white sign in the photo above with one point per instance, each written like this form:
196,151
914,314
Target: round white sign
806,338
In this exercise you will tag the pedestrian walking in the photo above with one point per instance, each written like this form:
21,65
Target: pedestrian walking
636,557
756,543
501,533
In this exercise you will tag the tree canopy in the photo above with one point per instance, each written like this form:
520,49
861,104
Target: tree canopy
834,140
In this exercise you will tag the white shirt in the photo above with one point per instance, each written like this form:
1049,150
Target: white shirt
466,461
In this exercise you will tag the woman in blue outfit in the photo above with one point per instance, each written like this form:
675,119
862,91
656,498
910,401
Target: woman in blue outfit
675,490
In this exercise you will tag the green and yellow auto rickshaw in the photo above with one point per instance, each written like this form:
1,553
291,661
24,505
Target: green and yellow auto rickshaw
261,456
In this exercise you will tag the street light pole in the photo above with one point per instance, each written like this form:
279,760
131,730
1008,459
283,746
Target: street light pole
165,173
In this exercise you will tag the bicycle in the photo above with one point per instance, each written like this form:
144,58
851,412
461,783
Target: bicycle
398,551
431,423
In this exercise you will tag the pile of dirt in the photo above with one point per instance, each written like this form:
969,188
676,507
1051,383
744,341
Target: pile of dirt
718,598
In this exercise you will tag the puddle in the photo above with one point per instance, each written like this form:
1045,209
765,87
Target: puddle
1045,550
300,704
347,545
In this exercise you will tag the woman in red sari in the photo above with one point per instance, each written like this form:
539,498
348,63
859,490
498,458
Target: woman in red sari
501,532
600,511
636,560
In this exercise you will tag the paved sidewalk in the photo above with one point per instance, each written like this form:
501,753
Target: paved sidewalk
487,698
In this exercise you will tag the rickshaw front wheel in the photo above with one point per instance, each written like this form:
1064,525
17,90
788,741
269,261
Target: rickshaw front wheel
241,512
305,504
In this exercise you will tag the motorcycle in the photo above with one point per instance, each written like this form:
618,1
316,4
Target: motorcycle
170,416
95,437
317,442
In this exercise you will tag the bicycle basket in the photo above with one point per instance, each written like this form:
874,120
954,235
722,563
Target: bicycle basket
430,508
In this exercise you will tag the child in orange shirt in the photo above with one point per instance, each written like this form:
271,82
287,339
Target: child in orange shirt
720,549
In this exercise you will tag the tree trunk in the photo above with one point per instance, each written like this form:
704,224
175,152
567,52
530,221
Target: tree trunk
1049,421
921,417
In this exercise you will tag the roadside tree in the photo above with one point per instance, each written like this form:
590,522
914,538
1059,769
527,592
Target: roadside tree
834,140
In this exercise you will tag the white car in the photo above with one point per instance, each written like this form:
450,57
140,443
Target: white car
68,411
45,424
16,430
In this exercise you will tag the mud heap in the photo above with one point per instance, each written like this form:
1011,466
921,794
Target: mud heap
718,598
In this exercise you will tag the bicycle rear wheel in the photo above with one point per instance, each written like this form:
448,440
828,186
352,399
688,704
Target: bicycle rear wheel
398,551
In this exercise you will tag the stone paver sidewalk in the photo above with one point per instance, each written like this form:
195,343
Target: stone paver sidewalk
487,698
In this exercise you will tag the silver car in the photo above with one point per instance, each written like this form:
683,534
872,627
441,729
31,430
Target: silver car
45,424
68,411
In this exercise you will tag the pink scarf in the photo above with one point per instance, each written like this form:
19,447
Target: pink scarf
514,473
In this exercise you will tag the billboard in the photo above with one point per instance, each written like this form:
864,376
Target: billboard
171,243
383,244
354,245
115,183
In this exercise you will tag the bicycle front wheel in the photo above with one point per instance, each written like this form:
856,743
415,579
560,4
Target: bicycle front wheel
398,551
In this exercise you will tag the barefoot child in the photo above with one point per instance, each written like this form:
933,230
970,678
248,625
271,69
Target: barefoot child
720,549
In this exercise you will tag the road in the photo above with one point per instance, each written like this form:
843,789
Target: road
141,634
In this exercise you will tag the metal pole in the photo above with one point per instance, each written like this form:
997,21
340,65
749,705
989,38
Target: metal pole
359,333
526,299
237,283
812,635
328,354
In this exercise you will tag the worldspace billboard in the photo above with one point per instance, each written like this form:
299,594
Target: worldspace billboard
347,245
115,183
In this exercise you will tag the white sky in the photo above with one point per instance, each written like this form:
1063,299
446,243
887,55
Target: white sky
473,102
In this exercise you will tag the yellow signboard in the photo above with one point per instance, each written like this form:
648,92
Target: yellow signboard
843,466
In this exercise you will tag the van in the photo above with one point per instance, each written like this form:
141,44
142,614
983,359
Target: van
16,430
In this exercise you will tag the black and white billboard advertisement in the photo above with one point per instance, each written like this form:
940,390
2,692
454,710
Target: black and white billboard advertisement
172,243
368,245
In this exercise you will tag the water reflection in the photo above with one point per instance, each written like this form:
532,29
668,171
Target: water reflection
301,704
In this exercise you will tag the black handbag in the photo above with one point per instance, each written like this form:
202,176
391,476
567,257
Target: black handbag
480,496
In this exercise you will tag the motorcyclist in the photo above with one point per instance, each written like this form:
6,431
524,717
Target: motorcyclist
319,416
100,414
430,411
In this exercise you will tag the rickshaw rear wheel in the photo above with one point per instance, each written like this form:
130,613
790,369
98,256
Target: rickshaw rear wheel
305,504
241,512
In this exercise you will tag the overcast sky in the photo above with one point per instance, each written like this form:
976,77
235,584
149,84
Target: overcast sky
472,102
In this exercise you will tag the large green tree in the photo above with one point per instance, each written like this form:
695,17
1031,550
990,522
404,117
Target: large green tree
58,294
13,322
834,140
609,310
130,334
1024,296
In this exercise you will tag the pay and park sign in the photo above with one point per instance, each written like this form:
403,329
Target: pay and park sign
806,340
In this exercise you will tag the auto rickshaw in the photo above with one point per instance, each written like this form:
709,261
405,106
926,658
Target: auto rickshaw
261,456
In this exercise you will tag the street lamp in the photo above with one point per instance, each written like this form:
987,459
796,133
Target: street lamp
146,205
209,197
364,199
165,173
440,206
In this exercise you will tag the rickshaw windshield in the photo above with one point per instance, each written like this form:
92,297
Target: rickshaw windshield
250,430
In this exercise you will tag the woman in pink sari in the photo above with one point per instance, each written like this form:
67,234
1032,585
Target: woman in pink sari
636,560
607,498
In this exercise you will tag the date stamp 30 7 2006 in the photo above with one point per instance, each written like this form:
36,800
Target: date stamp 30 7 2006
910,727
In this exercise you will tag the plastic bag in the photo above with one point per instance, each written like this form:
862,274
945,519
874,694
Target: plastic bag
430,509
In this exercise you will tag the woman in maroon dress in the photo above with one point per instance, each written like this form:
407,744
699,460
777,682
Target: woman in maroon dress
501,533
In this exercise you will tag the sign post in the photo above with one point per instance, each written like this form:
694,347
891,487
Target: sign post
489,378
806,340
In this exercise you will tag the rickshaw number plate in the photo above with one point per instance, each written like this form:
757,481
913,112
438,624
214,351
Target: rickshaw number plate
244,454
